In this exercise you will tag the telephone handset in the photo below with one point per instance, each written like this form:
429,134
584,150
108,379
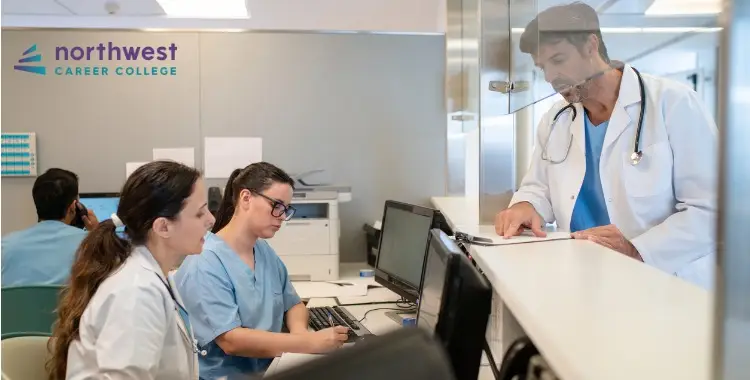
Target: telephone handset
81,211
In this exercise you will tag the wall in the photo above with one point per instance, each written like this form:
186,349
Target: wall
367,108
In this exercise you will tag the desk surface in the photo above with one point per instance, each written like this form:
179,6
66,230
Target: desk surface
596,314
377,322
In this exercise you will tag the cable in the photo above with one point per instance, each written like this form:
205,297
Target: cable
491,359
403,303
380,308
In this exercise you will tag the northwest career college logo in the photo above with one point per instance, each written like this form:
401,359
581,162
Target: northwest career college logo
26,58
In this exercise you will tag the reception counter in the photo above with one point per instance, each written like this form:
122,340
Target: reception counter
593,313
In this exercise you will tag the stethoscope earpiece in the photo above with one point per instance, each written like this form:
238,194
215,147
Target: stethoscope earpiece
635,158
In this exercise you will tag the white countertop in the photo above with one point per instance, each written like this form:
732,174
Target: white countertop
596,314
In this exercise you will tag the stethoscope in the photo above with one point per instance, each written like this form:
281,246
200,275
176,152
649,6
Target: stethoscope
635,158
196,349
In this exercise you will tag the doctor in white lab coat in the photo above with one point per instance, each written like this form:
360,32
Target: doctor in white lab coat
658,206
120,317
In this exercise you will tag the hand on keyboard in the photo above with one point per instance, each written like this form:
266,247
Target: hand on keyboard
328,339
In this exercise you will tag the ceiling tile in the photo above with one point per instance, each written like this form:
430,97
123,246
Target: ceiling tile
33,7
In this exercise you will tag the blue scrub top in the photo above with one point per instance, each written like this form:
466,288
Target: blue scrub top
590,209
222,293
40,255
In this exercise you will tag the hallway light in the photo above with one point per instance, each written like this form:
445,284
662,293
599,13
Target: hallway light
683,7
628,30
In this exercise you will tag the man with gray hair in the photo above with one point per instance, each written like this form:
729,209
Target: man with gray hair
626,160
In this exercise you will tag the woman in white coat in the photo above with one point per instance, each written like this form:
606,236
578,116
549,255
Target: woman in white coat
120,317
648,194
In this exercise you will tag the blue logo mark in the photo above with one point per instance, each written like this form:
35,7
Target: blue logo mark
26,58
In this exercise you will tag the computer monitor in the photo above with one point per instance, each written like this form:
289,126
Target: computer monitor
455,304
103,205
402,245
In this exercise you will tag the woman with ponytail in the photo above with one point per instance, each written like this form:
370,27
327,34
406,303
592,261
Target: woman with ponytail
238,290
119,317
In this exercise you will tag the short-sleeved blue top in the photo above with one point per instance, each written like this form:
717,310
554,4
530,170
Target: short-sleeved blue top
222,293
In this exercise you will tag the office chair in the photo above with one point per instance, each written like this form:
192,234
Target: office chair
214,199
29,309
25,357
516,360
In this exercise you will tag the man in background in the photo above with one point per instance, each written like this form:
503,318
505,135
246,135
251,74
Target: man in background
43,253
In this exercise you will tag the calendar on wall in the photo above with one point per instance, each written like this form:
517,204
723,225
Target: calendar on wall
19,154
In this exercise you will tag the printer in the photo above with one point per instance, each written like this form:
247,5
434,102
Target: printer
308,243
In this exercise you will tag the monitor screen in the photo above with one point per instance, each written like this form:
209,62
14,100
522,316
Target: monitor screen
433,282
403,241
103,205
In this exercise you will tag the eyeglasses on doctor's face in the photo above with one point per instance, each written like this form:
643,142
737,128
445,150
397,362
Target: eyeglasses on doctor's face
278,208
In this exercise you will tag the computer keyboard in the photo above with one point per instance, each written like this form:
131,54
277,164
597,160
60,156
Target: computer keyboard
341,317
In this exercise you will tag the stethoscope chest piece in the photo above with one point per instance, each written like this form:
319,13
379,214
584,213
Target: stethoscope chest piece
635,158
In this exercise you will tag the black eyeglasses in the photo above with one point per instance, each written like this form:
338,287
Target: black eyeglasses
278,208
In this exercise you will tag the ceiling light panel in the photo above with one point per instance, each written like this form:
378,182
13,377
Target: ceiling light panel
229,9
684,7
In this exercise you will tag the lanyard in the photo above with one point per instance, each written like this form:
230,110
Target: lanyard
171,294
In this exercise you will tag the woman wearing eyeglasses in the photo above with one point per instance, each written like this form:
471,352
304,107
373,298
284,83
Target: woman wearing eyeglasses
237,291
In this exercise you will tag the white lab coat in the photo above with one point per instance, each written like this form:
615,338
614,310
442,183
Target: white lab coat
131,329
665,205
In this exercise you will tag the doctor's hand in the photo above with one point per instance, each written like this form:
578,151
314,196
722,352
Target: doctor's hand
610,237
514,220
328,339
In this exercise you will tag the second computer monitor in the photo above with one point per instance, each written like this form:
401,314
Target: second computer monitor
455,304
401,251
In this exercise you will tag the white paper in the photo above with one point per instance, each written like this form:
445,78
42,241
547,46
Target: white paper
353,290
224,154
528,237
488,232
377,295
182,155
316,289
321,302
131,166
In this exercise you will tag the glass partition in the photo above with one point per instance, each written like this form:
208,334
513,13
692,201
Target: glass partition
639,33
506,56
732,305
535,53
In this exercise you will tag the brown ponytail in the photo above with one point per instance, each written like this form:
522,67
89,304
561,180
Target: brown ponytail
226,208
100,254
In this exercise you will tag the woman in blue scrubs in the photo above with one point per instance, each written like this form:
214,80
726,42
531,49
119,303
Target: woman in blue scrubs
237,291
